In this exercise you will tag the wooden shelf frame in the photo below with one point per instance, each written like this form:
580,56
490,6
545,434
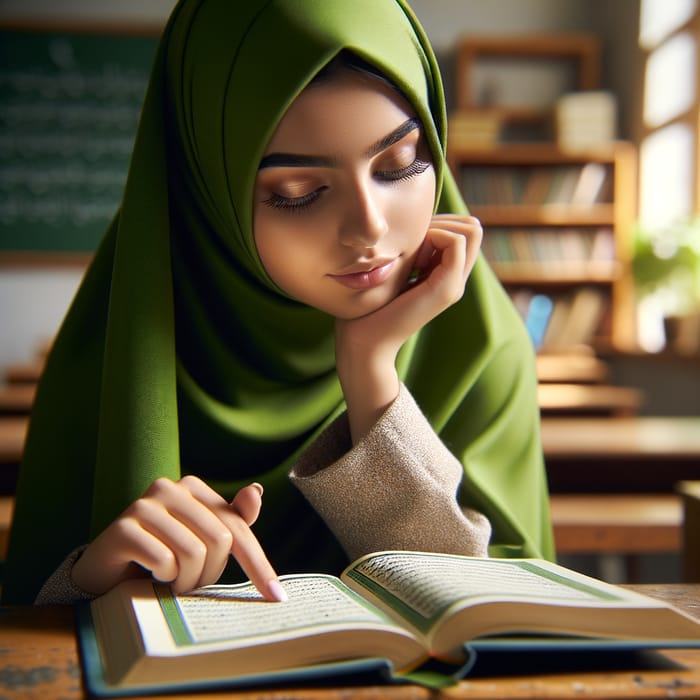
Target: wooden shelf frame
581,49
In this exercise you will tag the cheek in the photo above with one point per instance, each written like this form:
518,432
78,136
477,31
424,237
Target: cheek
415,207
284,248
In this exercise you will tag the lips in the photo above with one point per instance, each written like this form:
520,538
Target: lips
366,278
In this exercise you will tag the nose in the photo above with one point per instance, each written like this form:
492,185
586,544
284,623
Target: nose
364,222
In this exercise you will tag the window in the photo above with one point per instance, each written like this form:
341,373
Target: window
668,145
669,154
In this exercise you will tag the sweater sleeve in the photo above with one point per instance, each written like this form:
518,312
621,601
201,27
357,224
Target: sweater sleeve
59,588
395,489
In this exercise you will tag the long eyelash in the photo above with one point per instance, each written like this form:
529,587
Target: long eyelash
277,201
416,168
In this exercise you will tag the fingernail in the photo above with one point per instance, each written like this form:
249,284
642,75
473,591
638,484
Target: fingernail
276,591
258,487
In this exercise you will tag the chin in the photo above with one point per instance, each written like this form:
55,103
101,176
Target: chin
364,304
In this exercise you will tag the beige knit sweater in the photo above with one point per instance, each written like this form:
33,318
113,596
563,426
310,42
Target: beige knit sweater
395,489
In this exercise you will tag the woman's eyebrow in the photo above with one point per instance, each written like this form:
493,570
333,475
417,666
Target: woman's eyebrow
396,135
296,160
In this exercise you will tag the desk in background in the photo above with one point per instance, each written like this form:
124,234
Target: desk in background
631,454
17,398
637,460
690,493
13,432
40,659
613,484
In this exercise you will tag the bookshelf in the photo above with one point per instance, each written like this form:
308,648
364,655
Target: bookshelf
492,70
558,226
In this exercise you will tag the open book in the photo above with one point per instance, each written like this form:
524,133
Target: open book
400,607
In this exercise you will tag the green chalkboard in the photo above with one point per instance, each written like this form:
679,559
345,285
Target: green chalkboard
69,106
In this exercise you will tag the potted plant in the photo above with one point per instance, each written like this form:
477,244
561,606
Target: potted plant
666,267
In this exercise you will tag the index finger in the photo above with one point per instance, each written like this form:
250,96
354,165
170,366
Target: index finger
246,549
252,558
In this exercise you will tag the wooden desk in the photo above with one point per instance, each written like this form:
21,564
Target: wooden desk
7,507
40,660
13,432
579,367
25,371
17,398
628,454
617,523
596,399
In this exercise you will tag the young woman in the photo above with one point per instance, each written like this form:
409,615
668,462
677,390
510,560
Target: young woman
290,301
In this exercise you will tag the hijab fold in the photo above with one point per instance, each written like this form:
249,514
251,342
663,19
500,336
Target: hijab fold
180,355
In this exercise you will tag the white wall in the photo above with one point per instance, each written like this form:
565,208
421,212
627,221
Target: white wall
33,300
32,303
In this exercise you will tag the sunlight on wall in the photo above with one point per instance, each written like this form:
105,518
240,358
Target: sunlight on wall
659,17
666,161
669,88
667,154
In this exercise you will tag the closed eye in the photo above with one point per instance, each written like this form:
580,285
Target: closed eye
278,201
417,167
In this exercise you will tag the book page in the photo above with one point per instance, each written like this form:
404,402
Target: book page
227,613
427,584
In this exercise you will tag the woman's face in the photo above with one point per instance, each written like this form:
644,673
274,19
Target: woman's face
344,196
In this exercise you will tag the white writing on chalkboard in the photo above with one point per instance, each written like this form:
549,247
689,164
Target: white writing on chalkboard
69,108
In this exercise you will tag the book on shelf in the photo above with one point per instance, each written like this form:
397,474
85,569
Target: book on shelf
537,315
388,612
577,248
584,313
590,185
578,185
537,186
575,319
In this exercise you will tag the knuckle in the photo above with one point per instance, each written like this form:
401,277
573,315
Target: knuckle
140,508
195,550
190,482
224,539
161,485
126,528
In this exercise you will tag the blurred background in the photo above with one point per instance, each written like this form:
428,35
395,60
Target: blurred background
574,138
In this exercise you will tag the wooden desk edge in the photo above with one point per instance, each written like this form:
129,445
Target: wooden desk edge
43,639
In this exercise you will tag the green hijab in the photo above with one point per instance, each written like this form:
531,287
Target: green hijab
179,355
